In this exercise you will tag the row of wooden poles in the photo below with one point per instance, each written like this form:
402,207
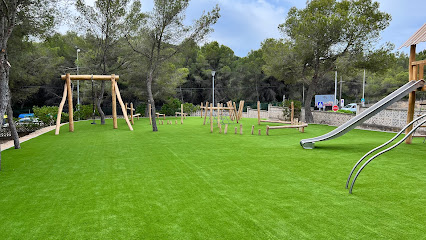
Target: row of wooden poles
231,107
237,115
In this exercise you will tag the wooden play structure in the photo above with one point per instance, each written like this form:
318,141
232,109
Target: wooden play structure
132,113
115,93
220,112
293,123
416,72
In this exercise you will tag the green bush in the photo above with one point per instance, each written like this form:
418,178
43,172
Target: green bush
190,108
141,109
171,106
85,112
342,111
46,114
345,111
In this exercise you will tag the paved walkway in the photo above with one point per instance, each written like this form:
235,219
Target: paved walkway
9,144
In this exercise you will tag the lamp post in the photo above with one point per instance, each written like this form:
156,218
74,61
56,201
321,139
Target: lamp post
341,83
335,88
78,86
363,91
213,73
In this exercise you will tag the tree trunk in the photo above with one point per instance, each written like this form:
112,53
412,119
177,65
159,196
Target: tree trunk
12,126
151,100
309,118
4,88
99,101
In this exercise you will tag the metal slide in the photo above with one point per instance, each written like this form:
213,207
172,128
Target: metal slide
368,113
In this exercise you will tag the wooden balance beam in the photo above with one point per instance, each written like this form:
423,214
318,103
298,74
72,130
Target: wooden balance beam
300,126
160,114
276,121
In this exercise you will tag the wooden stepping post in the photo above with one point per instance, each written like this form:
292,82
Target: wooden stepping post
267,130
252,129
201,109
205,112
226,129
258,112
220,128
241,129
260,132
211,117
236,130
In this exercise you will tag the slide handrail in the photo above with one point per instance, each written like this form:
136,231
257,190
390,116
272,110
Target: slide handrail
386,150
381,146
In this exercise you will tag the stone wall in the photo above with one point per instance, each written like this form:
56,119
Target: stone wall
387,120
273,112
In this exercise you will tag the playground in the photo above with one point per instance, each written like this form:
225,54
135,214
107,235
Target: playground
185,182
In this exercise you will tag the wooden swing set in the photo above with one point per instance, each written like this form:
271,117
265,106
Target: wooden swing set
115,93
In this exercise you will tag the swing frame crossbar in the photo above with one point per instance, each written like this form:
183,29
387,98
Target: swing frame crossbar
67,95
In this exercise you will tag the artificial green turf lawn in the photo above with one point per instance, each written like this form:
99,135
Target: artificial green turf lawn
185,183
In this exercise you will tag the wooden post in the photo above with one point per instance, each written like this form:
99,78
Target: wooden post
117,92
226,129
267,130
131,113
421,71
218,113
175,121
201,109
258,112
220,128
181,114
236,130
252,129
70,106
302,129
61,106
242,109
260,132
235,110
211,117
292,112
412,95
114,103
205,113
230,110
149,114
241,129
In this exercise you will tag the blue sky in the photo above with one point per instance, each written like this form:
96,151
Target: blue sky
244,24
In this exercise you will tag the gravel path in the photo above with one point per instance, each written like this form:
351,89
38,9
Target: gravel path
9,144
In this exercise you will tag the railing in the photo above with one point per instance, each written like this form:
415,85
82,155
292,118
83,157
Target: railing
22,128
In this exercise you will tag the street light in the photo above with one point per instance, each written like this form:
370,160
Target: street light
213,73
363,91
78,85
